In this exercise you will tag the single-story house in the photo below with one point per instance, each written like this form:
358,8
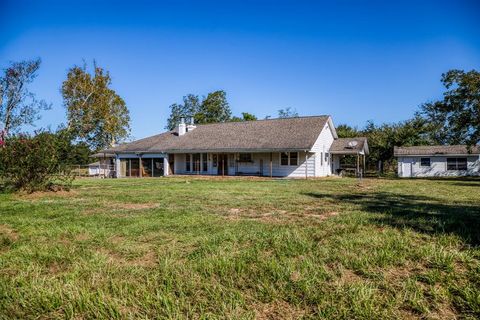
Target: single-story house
438,161
292,147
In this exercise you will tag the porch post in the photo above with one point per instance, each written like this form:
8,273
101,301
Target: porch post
306,165
104,173
358,164
117,167
165,165
223,165
140,165
271,159
364,165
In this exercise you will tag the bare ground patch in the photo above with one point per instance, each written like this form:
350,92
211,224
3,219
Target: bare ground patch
108,207
8,233
148,260
276,215
277,310
46,194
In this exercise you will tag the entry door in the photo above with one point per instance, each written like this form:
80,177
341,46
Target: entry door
407,167
222,164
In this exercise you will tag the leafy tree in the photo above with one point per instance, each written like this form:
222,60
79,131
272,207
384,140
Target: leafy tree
287,113
382,139
36,162
96,114
19,106
456,118
345,131
213,108
245,117
189,108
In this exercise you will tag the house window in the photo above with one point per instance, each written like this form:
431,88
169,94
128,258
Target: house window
321,158
204,162
456,163
215,160
245,157
284,159
424,162
293,158
289,159
196,162
327,156
187,162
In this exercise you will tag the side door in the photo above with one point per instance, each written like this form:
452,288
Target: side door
407,167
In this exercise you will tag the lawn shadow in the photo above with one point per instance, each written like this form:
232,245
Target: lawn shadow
420,213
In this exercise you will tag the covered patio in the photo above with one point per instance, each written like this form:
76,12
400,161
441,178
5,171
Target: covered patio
349,156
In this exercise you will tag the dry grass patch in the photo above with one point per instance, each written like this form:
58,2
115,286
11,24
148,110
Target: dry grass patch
9,233
276,215
277,310
46,194
132,206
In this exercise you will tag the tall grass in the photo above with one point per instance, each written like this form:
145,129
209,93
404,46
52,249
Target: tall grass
242,248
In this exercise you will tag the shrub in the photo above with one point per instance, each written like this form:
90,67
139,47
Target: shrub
36,162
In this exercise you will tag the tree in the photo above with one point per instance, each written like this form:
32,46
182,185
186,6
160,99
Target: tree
189,108
456,118
245,117
345,131
96,114
213,108
382,139
19,106
287,113
36,162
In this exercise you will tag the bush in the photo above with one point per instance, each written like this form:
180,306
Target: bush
36,162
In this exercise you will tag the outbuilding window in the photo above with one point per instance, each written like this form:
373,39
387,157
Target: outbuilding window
289,159
425,162
456,163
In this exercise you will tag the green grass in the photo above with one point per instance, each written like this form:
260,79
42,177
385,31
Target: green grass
243,248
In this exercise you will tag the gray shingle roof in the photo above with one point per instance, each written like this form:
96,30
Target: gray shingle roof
262,135
434,150
349,145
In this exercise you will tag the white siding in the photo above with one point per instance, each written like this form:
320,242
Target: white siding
254,167
410,167
324,141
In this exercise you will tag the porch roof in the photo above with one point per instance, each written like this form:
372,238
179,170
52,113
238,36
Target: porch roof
357,145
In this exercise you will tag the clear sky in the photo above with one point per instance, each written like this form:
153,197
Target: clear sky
354,60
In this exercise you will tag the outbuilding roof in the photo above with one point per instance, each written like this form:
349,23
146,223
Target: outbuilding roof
349,146
294,134
435,150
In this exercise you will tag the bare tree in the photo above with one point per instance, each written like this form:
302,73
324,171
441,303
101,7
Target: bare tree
19,106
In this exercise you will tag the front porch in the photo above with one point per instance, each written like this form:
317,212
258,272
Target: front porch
263,164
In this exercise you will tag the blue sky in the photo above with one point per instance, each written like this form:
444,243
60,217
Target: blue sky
354,60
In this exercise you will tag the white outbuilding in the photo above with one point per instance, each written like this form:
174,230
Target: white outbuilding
438,161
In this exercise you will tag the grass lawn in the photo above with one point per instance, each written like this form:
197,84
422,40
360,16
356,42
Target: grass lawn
185,247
